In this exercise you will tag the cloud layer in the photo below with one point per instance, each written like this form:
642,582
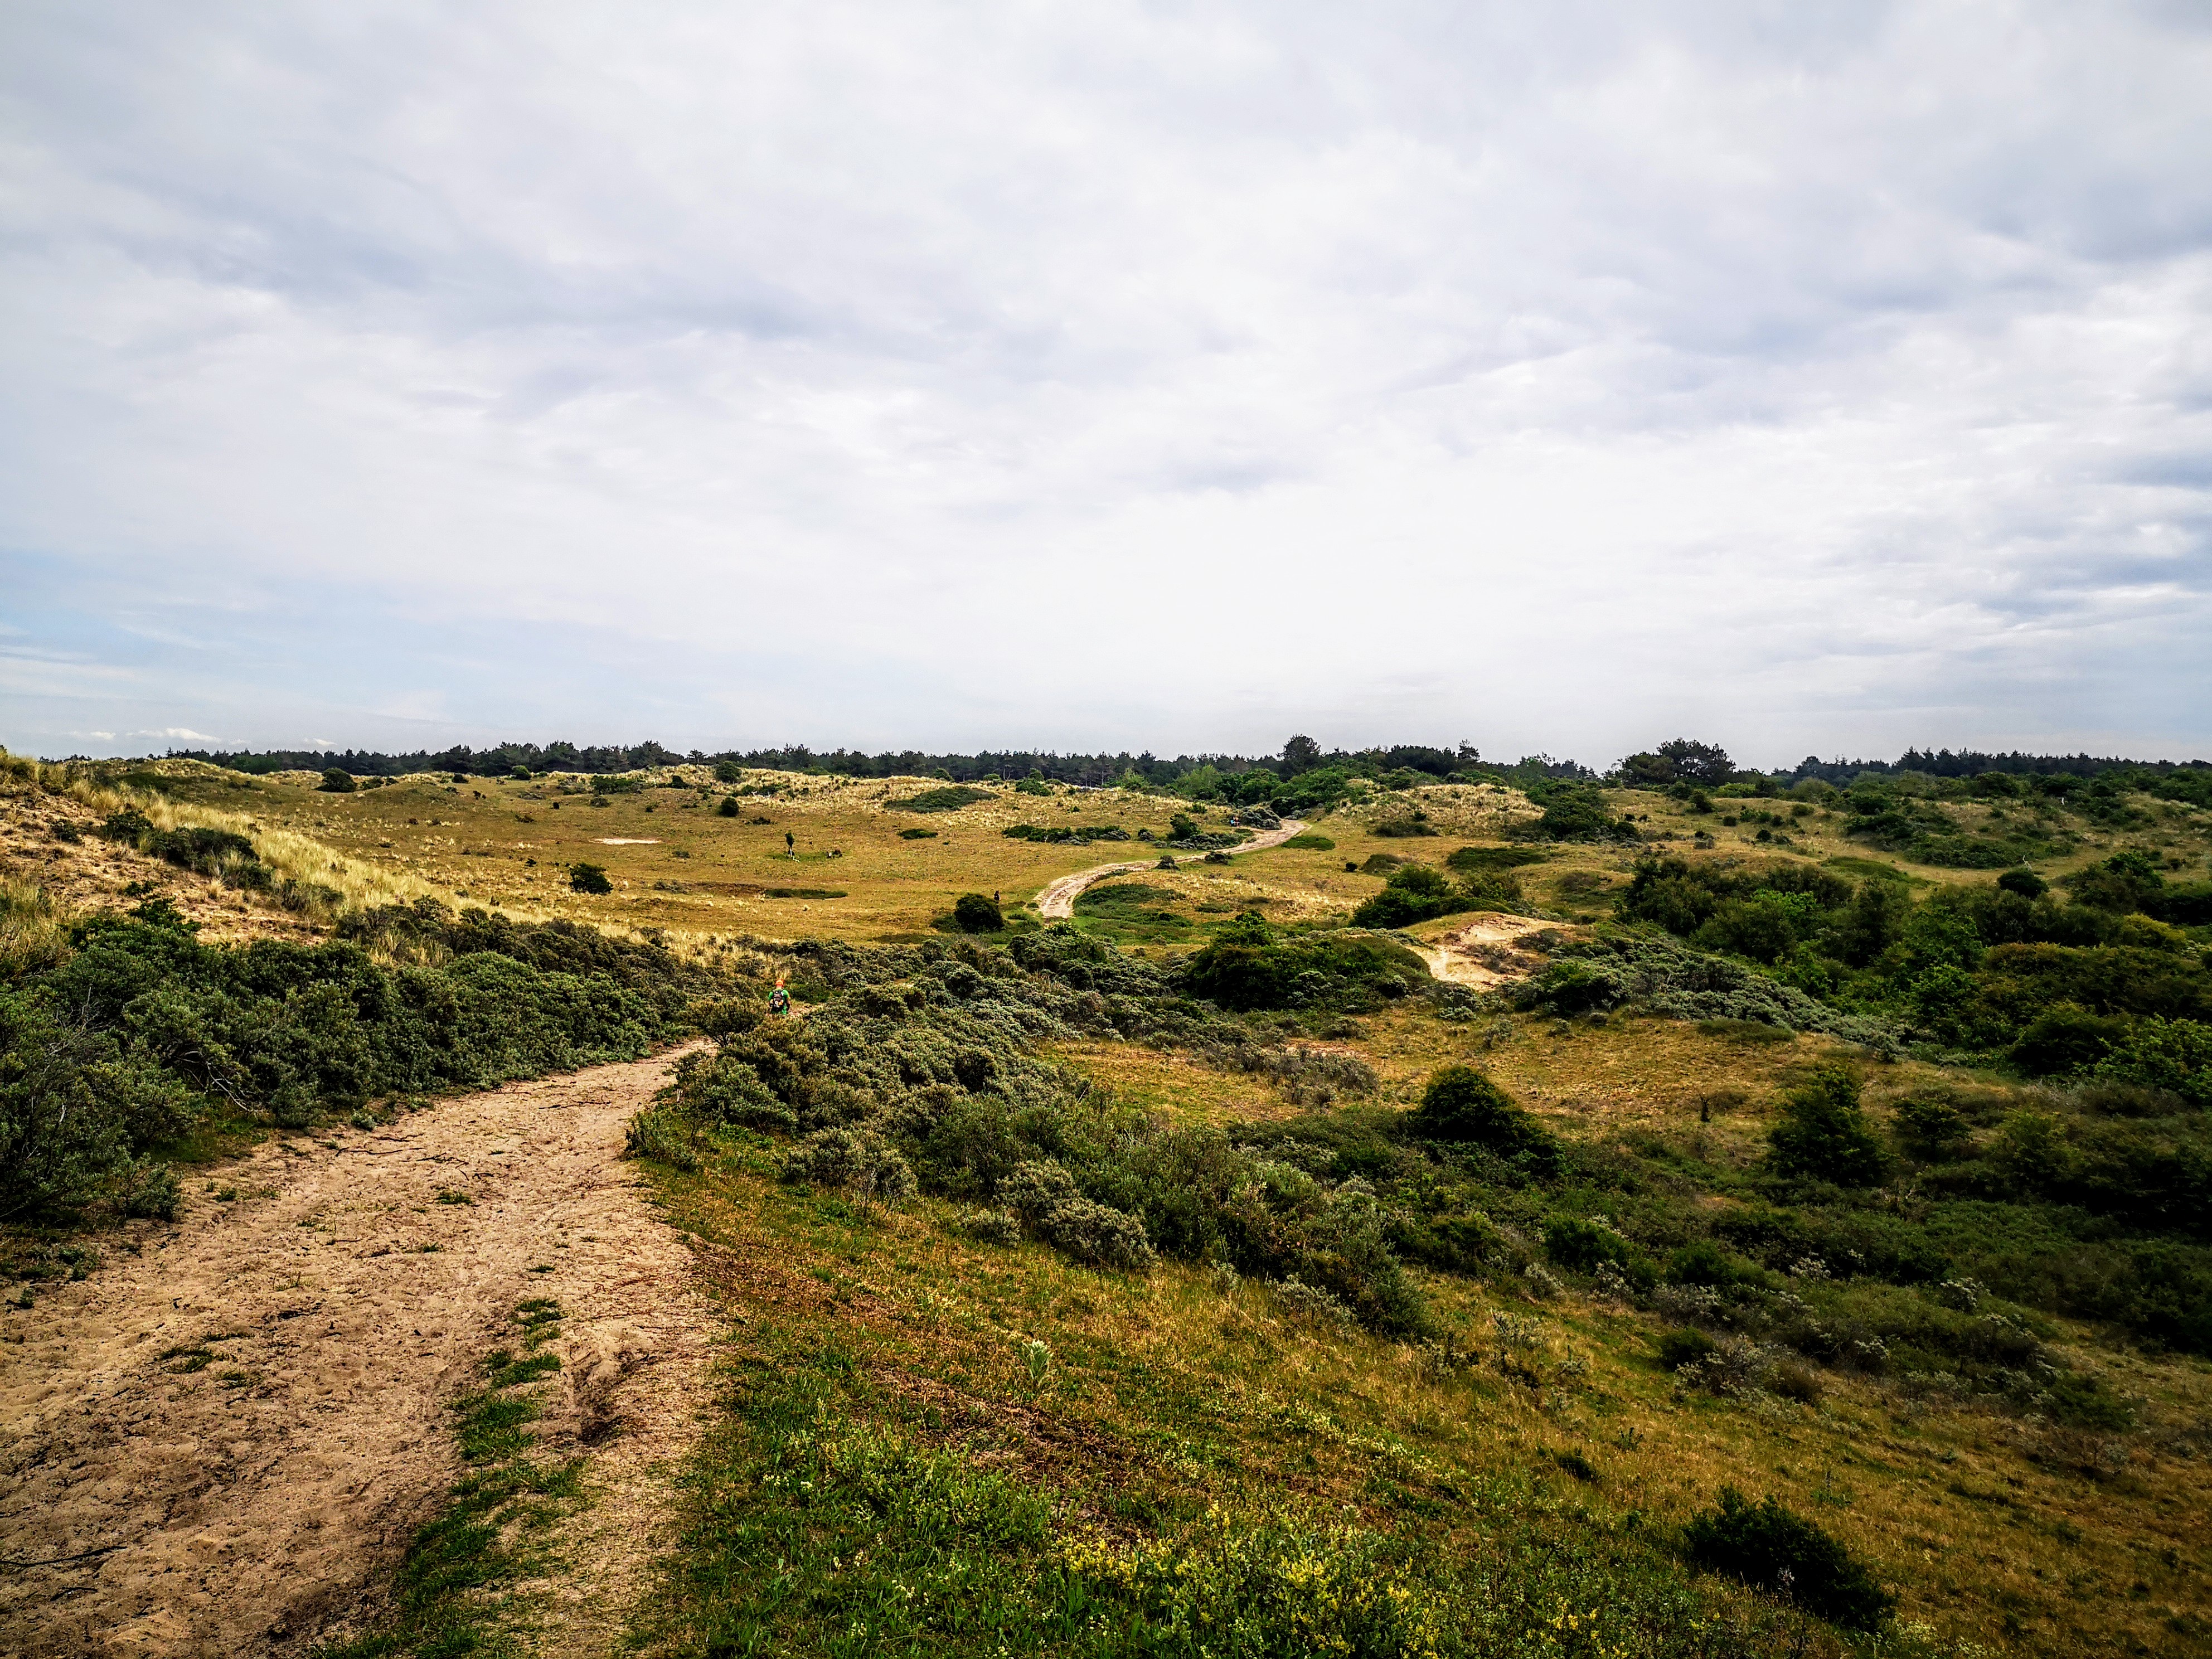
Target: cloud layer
1813,378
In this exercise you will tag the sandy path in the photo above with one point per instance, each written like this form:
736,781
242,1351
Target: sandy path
244,1506
1057,902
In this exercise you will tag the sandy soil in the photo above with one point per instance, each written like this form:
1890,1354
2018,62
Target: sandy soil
1480,951
249,1504
1057,902
92,874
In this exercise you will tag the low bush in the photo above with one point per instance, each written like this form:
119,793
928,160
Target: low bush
950,799
1824,1134
1479,861
1312,840
2173,1056
338,782
139,1032
860,1163
1462,1106
727,807
1247,966
1683,1345
1775,1550
589,878
1044,1195
977,913
1417,892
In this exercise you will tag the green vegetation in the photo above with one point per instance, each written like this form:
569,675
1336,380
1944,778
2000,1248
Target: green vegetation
1766,1545
951,799
1248,965
456,1590
977,913
1082,834
136,1036
589,878
1416,892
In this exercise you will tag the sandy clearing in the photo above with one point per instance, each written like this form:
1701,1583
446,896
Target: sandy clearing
250,1505
1057,902
1480,951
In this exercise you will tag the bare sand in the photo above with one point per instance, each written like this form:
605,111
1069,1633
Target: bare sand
251,1492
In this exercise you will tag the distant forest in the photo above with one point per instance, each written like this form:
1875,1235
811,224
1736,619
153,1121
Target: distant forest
1681,760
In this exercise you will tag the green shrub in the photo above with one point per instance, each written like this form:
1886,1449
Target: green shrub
1584,1246
1931,1130
1491,860
1044,1195
1573,812
2174,1055
1824,1135
950,799
610,783
338,782
1312,840
727,807
854,1162
1684,1346
1246,967
664,1136
1463,1106
1770,1548
977,913
2067,1039
589,878
1701,1261
917,833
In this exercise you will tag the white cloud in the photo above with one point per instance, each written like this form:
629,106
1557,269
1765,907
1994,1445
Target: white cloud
1830,379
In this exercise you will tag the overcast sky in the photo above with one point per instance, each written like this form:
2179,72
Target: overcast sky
1805,376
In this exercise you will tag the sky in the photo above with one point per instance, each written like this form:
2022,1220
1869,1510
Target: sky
1808,378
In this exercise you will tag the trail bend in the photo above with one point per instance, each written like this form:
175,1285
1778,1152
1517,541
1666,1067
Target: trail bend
1057,902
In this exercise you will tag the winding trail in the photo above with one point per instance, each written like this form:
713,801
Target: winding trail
1057,902
221,1442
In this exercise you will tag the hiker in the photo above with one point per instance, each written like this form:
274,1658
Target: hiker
779,999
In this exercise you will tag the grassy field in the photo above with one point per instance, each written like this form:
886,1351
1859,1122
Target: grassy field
677,862
1161,1397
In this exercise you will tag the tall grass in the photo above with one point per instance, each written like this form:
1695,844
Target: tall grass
33,928
333,883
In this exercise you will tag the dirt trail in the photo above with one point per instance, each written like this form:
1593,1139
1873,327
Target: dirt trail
1057,902
340,1302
